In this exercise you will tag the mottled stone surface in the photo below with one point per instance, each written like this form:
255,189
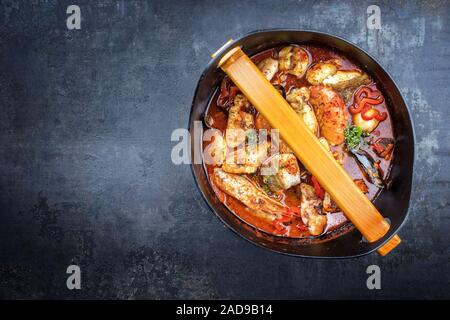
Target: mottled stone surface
86,176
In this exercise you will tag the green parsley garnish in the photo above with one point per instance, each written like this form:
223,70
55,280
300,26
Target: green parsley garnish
353,135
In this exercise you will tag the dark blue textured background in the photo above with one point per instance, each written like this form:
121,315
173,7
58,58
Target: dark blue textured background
85,170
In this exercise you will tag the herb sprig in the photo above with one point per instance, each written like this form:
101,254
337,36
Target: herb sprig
353,135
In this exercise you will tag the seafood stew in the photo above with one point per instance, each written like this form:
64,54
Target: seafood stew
338,101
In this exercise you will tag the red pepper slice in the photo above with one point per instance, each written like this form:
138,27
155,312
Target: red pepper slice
372,101
360,105
365,113
381,116
360,92
284,218
374,113
319,191
364,105
356,108
370,93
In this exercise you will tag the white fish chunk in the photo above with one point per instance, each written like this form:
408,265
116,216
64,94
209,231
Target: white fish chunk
310,208
268,67
286,172
249,194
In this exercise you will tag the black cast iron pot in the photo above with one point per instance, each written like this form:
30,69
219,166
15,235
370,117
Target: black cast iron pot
393,202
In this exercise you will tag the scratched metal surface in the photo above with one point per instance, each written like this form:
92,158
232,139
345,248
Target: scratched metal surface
86,176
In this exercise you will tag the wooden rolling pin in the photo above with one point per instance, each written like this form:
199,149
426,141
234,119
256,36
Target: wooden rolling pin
306,146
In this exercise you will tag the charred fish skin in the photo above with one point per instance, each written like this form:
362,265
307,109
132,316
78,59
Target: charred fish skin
347,79
369,167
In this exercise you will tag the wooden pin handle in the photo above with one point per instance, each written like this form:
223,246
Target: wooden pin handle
389,246
306,146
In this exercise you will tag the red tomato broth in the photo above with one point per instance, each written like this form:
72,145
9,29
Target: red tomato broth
218,119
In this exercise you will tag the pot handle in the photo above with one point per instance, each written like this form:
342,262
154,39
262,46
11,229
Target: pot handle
215,54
